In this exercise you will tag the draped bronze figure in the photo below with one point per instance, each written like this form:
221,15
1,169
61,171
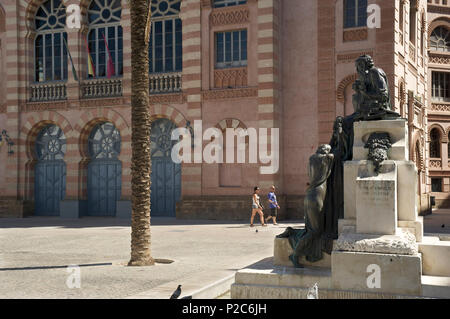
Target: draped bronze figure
307,242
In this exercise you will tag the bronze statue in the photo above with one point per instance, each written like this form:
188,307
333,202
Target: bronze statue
372,100
308,242
324,202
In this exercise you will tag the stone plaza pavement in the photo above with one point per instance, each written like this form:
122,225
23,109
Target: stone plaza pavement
35,253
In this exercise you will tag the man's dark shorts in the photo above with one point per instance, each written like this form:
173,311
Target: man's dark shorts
274,212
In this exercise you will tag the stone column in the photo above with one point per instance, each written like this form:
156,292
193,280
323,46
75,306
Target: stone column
444,152
269,106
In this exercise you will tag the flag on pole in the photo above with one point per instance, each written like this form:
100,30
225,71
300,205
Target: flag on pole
110,70
91,69
74,72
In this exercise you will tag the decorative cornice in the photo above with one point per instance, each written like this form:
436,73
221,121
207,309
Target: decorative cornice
230,78
43,106
178,98
351,57
435,164
438,58
440,107
101,102
229,94
438,9
229,15
356,35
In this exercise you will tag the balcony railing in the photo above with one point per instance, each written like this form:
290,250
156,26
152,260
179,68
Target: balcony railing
49,91
100,88
165,83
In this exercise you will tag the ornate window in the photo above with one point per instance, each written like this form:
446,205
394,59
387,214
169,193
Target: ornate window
231,49
440,90
50,51
228,3
104,28
104,142
165,47
436,185
412,21
435,144
51,144
448,144
355,13
440,39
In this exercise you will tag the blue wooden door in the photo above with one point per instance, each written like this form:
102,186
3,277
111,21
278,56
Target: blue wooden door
50,171
104,171
166,175
104,187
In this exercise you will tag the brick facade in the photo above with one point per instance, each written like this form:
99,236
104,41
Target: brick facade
438,16
297,78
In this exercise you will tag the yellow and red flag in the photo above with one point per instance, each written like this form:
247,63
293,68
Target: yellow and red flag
91,68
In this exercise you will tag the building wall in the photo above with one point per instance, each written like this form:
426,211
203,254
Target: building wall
298,79
438,111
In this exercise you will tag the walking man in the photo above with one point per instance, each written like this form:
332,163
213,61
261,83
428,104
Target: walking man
274,207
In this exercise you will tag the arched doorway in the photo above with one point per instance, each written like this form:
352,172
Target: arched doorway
50,171
104,170
166,175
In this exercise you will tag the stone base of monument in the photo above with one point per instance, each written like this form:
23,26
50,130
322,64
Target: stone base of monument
381,251
283,250
398,274
343,275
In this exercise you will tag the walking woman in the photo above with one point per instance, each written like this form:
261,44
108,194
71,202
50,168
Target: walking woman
256,207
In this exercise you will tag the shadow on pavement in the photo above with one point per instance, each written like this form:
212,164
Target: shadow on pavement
54,267
85,222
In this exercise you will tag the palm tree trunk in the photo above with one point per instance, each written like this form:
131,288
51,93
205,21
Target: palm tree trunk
140,137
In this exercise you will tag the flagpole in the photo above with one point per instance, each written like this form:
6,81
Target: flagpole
74,72
90,62
110,61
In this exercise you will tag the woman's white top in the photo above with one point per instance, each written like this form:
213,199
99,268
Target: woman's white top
257,200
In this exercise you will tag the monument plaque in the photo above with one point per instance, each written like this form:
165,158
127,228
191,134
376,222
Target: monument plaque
376,205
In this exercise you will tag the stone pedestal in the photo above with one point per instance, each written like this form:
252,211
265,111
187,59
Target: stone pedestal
377,252
282,251
377,273
381,226
358,177
376,199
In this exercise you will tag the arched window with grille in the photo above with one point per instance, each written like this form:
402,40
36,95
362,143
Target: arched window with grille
50,51
165,47
355,13
435,144
105,33
440,39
